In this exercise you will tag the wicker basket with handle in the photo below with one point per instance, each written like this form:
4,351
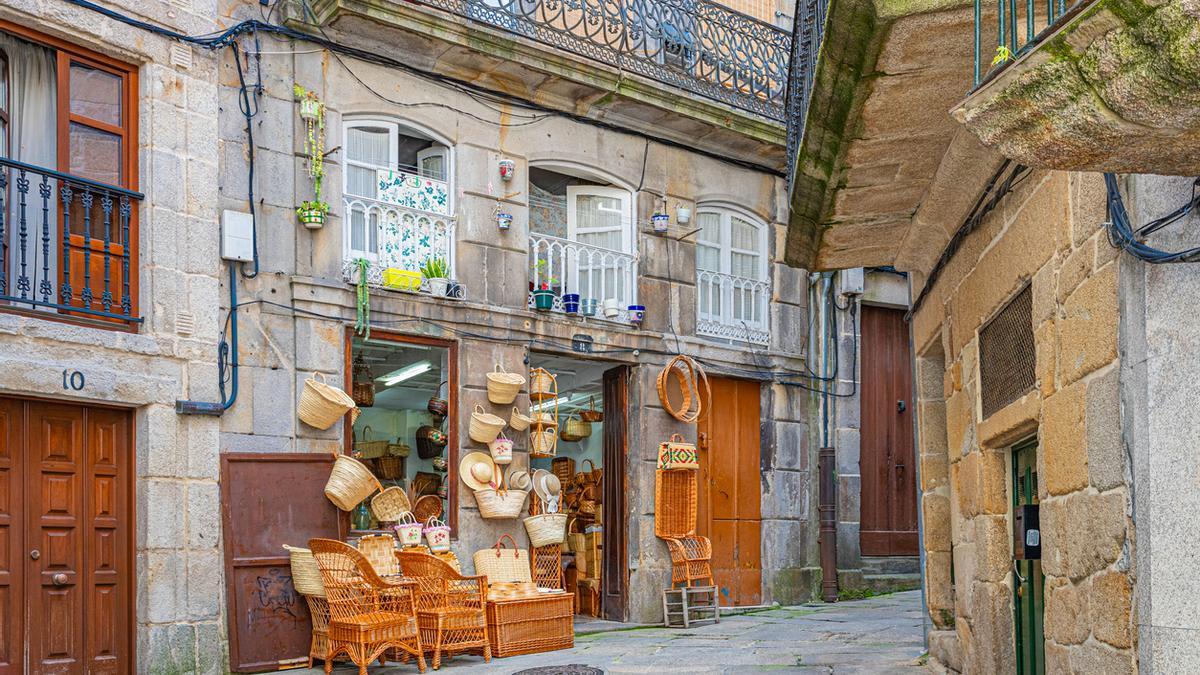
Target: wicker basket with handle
437,405
350,482
369,449
587,474
575,540
306,576
408,530
542,385
322,404
500,503
389,467
518,421
503,564
390,504
542,442
675,503
503,386
574,429
591,414
546,529
484,425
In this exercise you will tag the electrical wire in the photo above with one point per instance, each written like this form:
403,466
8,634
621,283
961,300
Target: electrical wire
1123,235
248,105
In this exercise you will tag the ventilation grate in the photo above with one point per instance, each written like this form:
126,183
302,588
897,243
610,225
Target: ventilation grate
1007,354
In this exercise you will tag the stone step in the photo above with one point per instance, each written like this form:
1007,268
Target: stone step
891,565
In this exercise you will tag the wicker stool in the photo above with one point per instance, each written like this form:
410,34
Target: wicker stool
690,560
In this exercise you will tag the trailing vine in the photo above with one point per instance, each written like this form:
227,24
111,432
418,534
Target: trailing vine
312,113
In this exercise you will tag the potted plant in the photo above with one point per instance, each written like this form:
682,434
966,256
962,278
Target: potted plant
437,271
312,111
545,290
637,314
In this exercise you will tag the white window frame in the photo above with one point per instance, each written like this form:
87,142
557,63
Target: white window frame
726,213
625,228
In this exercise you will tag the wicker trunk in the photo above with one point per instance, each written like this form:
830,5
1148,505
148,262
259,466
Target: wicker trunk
531,625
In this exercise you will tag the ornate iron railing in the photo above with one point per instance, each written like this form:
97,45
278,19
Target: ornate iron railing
1038,19
732,307
606,277
66,244
696,45
807,35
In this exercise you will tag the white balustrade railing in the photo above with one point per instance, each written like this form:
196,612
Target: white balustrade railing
732,307
593,272
405,239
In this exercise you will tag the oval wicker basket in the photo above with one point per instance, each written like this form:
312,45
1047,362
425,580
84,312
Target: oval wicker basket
542,385
500,504
437,405
578,427
321,403
591,414
546,529
306,576
484,426
426,507
390,504
542,442
503,386
367,448
518,421
349,483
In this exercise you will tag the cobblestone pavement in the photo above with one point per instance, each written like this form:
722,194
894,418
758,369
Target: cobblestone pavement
876,635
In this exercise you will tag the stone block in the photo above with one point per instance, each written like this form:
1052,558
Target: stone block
204,597
935,471
1076,268
170,184
203,448
847,443
274,400
319,344
170,649
203,515
787,403
1046,355
789,285
1082,533
1096,657
936,511
939,590
1058,657
944,646
656,294
992,651
964,569
1089,197
786,495
788,328
784,544
1110,609
993,482
1106,447
210,649
1064,441
1087,333
159,451
1065,616
1043,288
162,598
849,494
849,554
965,477
791,446
993,548
161,512
960,424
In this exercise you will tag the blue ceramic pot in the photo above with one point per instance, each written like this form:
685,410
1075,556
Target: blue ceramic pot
570,303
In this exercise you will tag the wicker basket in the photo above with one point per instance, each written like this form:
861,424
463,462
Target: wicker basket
501,449
484,426
577,427
350,482
546,529
542,385
368,449
380,551
543,419
518,421
591,414
586,476
563,468
675,496
500,504
542,442
438,406
545,563
502,564
322,404
390,504
426,507
437,535
567,432
408,530
399,449
530,626
575,541
306,576
503,386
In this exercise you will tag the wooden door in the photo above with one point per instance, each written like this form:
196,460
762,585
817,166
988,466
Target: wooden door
730,495
889,489
615,575
268,500
66,569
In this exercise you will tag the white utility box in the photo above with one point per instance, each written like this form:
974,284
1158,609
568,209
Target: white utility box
237,236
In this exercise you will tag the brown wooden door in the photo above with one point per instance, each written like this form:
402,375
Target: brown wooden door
730,496
615,576
65,532
268,500
889,490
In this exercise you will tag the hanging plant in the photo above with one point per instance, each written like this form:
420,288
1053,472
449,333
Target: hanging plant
312,112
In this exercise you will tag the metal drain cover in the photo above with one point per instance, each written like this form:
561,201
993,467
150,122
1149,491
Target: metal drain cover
572,669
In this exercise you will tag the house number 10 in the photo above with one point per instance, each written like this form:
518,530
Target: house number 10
73,379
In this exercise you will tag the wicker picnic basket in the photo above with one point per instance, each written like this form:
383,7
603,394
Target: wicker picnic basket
542,385
368,449
530,626
350,482
500,503
575,540
390,504
542,442
322,404
675,496
546,529
484,425
563,468
518,421
503,386
306,576
502,564
591,414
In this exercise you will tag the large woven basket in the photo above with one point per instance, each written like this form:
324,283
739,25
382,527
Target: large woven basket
542,442
390,504
546,529
500,504
542,385
675,497
349,483
577,427
322,404
575,539
502,564
563,468
389,467
306,576
518,421
503,386
426,507
369,449
484,426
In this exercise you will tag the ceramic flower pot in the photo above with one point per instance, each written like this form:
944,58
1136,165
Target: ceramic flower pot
504,220
611,308
637,314
439,286
543,300
313,219
660,221
571,303
589,306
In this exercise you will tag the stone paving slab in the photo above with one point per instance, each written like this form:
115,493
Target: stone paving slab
876,635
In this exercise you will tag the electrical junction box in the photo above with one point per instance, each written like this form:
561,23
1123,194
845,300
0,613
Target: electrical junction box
850,282
237,236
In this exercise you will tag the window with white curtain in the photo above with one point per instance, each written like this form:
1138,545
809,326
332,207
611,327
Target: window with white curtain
732,290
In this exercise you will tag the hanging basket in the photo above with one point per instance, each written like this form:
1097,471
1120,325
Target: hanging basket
430,441
591,414
500,504
426,507
576,428
503,386
542,442
542,385
484,425
363,389
575,539
501,449
390,504
546,529
438,406
306,576
349,483
368,449
389,467
322,404
518,421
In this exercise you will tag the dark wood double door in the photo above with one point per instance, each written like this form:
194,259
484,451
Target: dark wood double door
66,571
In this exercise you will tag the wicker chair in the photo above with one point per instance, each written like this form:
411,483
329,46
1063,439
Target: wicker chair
318,608
367,615
450,606
691,560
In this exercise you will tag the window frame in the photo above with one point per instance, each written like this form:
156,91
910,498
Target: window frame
726,213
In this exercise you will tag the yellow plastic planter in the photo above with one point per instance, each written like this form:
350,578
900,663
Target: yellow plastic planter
402,280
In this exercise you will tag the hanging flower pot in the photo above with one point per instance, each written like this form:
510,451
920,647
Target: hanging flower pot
312,214
543,300
504,220
310,108
661,221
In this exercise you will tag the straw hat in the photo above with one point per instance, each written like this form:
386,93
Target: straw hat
477,470
519,480
546,485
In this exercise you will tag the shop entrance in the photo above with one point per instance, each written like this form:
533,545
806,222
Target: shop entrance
590,461
66,575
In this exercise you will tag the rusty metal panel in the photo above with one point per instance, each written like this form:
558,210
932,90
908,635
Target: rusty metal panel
268,500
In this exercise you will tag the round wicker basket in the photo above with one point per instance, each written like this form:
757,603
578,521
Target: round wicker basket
503,386
322,404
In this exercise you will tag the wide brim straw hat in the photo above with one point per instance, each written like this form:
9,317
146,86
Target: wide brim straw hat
519,480
546,485
474,468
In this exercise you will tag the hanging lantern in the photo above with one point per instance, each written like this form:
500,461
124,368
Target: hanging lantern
364,385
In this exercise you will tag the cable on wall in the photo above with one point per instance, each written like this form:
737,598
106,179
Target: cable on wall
1123,235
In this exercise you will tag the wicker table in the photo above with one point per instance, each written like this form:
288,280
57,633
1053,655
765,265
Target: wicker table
531,625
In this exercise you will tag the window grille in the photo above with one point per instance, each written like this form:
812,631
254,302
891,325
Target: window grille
1007,354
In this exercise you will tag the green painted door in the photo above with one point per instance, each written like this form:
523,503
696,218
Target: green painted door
1028,582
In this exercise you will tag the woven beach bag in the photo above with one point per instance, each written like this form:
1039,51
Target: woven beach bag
408,530
306,576
501,564
484,425
350,482
518,421
501,503
546,529
322,404
501,449
437,535
503,386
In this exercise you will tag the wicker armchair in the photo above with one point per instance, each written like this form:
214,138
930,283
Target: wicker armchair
691,558
367,615
450,606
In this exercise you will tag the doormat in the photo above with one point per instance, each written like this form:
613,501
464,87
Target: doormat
572,669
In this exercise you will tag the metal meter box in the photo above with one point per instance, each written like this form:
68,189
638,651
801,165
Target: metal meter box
237,236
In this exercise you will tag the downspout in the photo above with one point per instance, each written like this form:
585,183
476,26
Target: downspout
827,462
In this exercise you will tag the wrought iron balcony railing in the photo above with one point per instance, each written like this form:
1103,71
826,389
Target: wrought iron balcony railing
807,34
696,45
732,307
1019,27
600,276
66,244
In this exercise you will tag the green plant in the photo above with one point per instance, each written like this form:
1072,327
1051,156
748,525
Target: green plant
541,271
314,206
435,268
1003,55
314,139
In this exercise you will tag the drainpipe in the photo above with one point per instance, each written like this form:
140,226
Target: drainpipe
827,457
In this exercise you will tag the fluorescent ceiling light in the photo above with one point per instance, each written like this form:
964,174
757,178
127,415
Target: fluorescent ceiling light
550,404
405,373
